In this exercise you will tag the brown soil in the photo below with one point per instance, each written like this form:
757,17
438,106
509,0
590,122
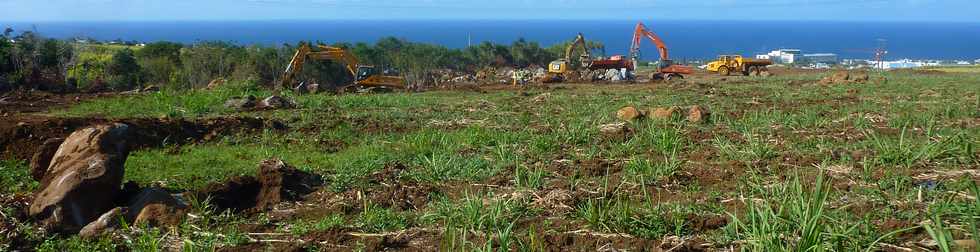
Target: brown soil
237,193
250,194
20,136
393,193
38,101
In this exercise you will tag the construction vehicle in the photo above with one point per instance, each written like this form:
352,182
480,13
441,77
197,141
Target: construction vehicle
666,69
558,69
365,76
728,64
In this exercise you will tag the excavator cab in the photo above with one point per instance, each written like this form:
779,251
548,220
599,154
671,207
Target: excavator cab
363,72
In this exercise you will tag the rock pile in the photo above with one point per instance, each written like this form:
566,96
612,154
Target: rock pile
695,113
81,187
846,77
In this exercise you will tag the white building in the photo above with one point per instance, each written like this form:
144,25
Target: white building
821,58
905,63
782,56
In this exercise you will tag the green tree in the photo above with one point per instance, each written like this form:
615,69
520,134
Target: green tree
123,70
168,50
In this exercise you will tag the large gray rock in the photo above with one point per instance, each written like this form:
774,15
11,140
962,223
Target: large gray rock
83,178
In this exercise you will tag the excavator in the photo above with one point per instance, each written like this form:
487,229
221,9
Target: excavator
365,76
666,70
558,69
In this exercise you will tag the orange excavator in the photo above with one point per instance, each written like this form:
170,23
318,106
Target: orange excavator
666,70
365,76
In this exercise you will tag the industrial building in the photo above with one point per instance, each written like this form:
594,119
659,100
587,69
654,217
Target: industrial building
782,56
825,58
796,56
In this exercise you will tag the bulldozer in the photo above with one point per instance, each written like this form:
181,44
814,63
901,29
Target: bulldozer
559,69
365,76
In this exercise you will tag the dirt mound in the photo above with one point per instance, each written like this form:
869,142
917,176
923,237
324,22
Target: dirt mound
237,193
20,136
281,182
276,182
397,194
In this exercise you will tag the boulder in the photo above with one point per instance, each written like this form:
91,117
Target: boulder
42,157
698,114
156,207
216,83
281,182
105,223
615,130
628,113
83,179
150,88
239,103
860,77
275,102
665,113
541,97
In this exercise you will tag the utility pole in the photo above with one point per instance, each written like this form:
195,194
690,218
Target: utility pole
880,53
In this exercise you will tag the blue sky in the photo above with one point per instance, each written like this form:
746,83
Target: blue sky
129,10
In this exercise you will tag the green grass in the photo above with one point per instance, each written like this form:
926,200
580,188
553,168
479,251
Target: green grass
15,177
490,157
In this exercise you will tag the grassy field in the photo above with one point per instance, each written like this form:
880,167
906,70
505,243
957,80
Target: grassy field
783,164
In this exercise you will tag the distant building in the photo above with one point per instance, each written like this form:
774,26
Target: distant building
823,58
905,63
782,56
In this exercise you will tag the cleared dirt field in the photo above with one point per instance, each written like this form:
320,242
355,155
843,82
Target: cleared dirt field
782,163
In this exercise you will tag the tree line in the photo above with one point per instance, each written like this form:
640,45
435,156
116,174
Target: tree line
31,61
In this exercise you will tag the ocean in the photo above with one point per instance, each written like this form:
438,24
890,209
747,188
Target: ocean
686,39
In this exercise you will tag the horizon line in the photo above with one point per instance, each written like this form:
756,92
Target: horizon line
484,20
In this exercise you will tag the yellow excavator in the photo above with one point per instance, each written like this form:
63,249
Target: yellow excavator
558,69
365,76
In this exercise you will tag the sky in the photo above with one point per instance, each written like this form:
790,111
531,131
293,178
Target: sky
170,10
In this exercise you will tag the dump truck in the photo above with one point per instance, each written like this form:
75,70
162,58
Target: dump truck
728,64
365,76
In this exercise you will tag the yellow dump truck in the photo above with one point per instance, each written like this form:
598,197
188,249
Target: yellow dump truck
728,64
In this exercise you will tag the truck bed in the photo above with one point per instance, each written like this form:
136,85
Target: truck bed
756,62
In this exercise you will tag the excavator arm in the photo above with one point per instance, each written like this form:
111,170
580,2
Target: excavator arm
295,65
337,54
642,31
579,42
667,66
